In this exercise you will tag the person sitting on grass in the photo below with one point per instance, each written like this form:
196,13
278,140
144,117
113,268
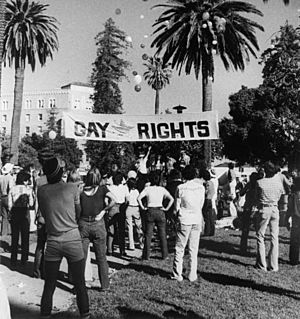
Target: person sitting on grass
189,200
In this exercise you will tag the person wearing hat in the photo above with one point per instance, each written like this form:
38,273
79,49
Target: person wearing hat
6,183
59,204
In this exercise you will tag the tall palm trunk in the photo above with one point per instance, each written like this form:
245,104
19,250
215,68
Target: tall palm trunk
157,101
2,27
16,118
206,106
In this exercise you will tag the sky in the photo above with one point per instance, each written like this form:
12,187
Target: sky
81,20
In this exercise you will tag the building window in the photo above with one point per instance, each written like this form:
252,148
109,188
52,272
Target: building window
27,117
41,103
40,117
27,130
4,105
28,104
40,129
76,103
4,118
52,103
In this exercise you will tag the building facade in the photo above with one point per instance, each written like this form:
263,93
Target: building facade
37,107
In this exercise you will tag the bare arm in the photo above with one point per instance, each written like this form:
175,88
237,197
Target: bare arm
139,199
171,201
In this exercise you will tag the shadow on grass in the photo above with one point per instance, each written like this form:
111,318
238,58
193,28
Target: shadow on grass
5,245
234,281
282,239
149,270
230,260
128,313
178,312
219,247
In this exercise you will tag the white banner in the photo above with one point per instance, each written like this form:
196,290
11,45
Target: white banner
130,128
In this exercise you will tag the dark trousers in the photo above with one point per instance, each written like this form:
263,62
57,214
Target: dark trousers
155,216
38,267
20,224
246,222
209,216
5,225
295,243
95,232
51,274
115,225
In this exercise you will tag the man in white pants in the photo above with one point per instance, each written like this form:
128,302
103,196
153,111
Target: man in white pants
189,200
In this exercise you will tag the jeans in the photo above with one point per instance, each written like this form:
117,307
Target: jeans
115,225
95,232
73,251
51,274
133,218
246,222
155,216
295,241
209,217
38,266
267,216
20,224
187,235
5,226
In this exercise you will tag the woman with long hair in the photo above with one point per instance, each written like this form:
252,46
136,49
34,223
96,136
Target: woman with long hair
91,221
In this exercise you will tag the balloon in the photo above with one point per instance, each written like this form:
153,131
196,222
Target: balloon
142,16
142,45
204,25
52,135
134,73
145,56
138,79
215,42
146,36
118,11
128,38
205,15
137,88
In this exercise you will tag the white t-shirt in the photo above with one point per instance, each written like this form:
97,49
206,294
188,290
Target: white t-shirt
131,197
154,195
142,165
119,191
190,200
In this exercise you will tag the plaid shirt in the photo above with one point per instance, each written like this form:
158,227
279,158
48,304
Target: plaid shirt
268,191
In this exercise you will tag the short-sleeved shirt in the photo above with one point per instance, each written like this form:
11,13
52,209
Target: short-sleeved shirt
269,190
91,205
57,205
132,196
154,195
190,200
120,192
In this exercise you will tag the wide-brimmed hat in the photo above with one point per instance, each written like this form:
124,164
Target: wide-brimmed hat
52,167
7,168
131,174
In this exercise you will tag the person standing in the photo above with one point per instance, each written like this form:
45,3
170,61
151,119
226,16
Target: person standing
142,170
115,221
293,222
59,204
133,217
267,194
91,221
189,200
20,198
155,214
6,183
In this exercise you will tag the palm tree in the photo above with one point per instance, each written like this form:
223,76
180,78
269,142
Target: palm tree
2,27
286,2
157,76
191,32
29,35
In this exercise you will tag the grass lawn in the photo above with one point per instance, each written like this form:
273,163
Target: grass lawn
228,286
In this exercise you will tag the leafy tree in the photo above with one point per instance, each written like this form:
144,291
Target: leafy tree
265,122
157,76
190,32
30,35
109,69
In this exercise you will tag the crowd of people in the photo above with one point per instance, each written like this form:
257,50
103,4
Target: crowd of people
118,210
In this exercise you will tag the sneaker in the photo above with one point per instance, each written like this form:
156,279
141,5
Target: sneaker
178,278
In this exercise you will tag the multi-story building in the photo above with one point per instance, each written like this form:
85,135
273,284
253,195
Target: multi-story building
37,106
